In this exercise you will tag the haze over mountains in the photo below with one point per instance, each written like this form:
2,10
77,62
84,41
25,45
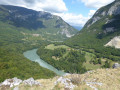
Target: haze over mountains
78,27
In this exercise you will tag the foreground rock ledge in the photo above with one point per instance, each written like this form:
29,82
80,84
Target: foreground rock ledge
100,79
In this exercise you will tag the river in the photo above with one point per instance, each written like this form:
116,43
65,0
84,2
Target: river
32,55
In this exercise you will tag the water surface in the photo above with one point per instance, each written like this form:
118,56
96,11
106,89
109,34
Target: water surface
32,55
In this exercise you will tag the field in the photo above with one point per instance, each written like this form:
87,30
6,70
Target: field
52,47
88,56
87,64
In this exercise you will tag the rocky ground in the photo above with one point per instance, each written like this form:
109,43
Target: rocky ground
115,42
101,79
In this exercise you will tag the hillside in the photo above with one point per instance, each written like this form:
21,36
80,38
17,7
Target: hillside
40,24
81,56
101,79
98,31
23,29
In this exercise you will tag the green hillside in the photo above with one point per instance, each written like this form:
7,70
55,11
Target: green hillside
98,31
12,61
23,29
45,25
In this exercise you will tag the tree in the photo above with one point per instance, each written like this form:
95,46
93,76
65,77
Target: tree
107,64
99,61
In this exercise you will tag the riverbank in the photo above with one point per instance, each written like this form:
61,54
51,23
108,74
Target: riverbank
32,55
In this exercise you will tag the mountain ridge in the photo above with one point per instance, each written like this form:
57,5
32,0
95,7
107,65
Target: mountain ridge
41,22
98,31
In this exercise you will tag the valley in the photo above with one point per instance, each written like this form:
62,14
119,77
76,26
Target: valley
42,46
32,55
53,56
21,29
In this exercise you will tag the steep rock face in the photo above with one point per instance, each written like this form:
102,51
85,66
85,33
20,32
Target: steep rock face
115,9
31,20
115,42
112,9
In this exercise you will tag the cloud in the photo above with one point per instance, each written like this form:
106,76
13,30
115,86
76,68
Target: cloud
91,13
74,19
59,8
96,3
56,6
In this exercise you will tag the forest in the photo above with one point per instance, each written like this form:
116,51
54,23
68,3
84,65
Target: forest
70,63
12,61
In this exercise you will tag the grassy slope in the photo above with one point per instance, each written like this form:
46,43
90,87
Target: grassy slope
15,40
110,79
52,47
88,56
12,61
45,26
93,38
89,65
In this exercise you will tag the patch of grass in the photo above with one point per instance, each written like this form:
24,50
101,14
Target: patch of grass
88,56
76,79
52,47
87,64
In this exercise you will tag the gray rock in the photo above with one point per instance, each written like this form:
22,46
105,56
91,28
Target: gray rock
15,82
11,82
90,84
115,42
67,83
103,13
31,82
110,29
16,88
94,19
66,32
116,65
115,9
109,21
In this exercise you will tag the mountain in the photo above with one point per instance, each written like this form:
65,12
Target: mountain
41,24
98,31
24,29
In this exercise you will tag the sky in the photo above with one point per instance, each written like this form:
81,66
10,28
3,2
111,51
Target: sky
74,12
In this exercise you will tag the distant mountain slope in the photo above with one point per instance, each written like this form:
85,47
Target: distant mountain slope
78,27
48,26
99,30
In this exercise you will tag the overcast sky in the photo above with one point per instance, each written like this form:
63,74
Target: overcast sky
75,12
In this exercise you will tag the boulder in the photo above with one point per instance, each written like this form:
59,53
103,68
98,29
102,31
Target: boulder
11,82
16,88
66,82
31,82
116,65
